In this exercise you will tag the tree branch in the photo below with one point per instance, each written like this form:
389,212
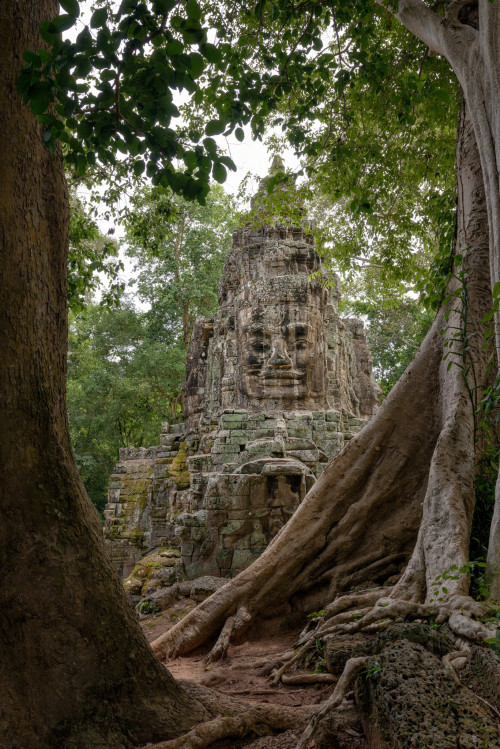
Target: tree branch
447,37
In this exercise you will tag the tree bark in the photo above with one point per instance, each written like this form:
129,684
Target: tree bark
75,669
403,484
473,51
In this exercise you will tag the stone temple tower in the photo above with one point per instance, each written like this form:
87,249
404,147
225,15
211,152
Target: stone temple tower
276,383
276,342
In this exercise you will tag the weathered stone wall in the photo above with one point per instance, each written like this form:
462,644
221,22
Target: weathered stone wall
275,384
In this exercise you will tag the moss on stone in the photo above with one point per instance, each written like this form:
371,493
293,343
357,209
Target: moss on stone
178,469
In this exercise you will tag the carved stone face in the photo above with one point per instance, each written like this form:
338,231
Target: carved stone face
281,351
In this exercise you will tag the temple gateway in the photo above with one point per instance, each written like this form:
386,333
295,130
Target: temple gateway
276,383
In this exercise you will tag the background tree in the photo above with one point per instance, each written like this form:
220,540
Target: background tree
92,257
122,383
179,250
396,326
126,366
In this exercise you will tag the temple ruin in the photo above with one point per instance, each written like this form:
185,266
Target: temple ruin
276,383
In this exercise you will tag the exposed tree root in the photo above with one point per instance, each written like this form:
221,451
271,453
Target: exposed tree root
234,719
355,601
220,728
454,662
352,669
457,611
232,626
308,679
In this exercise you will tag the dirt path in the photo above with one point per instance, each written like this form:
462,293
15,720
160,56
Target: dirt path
241,675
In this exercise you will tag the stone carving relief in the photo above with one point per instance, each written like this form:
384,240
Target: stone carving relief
275,384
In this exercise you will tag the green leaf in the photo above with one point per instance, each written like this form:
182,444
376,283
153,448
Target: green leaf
84,129
70,6
210,145
169,107
190,160
164,6
215,127
211,52
239,133
62,23
98,18
84,40
193,10
227,160
139,167
24,81
32,58
39,98
47,32
219,173
175,47
496,289
196,64
83,67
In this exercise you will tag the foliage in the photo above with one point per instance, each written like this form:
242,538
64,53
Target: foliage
484,485
373,118
396,325
125,366
122,382
179,250
147,607
316,614
359,98
372,671
474,570
112,91
90,254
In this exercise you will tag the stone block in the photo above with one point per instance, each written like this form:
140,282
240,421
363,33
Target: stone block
232,418
288,468
204,586
232,528
300,432
309,457
199,463
242,558
160,471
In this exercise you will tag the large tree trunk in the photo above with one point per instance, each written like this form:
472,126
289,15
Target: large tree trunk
75,669
469,38
404,483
